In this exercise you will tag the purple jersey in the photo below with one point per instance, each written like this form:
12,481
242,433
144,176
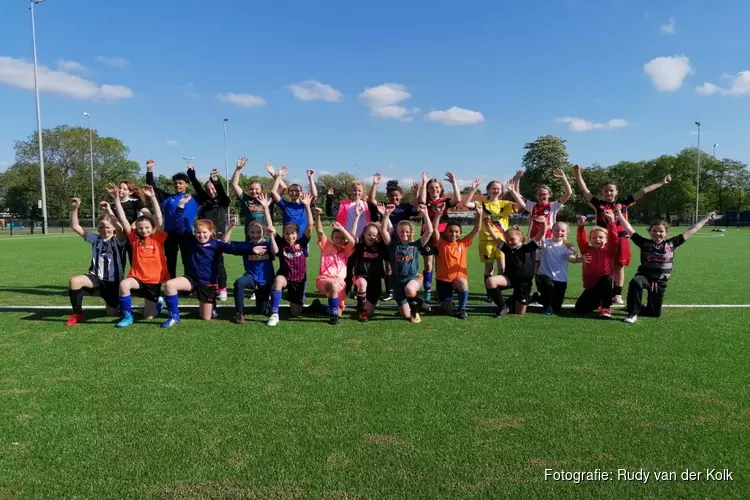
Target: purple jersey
293,258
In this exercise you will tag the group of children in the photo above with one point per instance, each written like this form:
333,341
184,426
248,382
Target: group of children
370,244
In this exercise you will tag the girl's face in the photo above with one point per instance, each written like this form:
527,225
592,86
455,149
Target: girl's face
106,229
123,191
339,240
370,235
542,195
559,232
255,232
609,192
452,233
210,190
597,238
357,192
434,190
202,234
514,239
143,229
658,233
395,197
495,190
404,233
290,235
294,192
255,189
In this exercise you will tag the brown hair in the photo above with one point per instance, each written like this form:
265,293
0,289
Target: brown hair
516,229
406,223
544,186
255,223
207,224
133,188
660,222
435,181
292,225
487,189
107,218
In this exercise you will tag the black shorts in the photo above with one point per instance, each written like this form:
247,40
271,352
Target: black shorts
204,293
521,289
109,291
374,288
398,285
295,291
148,291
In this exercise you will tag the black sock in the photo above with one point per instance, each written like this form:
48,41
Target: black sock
487,290
616,290
415,304
76,300
361,302
497,297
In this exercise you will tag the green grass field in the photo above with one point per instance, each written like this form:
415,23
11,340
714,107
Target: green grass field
445,409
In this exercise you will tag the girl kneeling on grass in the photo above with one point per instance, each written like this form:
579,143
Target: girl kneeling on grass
450,262
367,267
334,253
292,273
202,260
599,254
149,267
520,260
106,269
552,276
405,255
657,256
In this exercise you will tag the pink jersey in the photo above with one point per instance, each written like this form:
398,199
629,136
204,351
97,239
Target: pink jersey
549,210
333,260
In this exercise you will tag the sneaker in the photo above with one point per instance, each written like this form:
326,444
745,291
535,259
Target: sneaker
461,314
171,321
222,296
316,306
617,299
74,319
502,312
252,296
427,297
548,311
534,300
214,313
126,321
160,305
631,319
415,318
605,314
273,320
363,317
334,320
239,319
388,297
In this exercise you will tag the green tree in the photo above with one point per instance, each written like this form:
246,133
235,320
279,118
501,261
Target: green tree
542,157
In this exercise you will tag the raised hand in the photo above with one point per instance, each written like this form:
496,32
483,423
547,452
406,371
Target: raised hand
376,178
264,199
415,188
191,166
185,199
330,191
283,170
148,191
450,177
233,222
519,173
75,203
271,230
711,215
587,258
269,169
260,250
609,215
479,208
241,162
316,211
581,219
668,179
310,172
104,206
422,208
305,198
389,209
558,173
215,174
359,209
381,208
439,208
425,177
150,165
475,184
112,189
576,169
336,226
511,185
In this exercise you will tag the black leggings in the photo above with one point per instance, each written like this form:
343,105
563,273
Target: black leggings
551,293
654,300
599,295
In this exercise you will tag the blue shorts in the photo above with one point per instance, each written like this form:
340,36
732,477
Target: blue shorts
445,291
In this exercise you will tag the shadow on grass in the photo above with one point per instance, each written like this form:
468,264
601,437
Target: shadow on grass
45,290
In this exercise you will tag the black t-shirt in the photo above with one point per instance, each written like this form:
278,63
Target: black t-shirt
520,262
368,260
656,258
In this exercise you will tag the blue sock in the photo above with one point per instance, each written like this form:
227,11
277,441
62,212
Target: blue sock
275,301
463,297
173,305
126,305
333,306
427,281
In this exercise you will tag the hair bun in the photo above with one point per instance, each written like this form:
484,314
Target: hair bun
392,183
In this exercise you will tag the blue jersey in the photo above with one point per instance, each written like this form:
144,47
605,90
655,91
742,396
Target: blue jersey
260,267
402,212
171,212
294,211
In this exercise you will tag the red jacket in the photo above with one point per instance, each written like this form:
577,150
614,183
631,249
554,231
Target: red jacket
602,259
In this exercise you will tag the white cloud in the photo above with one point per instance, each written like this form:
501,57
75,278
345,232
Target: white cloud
581,125
70,66
383,101
117,62
667,73
20,74
189,91
324,172
739,85
313,90
456,116
242,100
172,142
669,28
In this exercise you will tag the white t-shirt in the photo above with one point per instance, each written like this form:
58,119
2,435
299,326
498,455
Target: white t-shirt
554,262
549,211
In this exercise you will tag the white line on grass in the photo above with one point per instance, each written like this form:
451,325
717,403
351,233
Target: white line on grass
25,237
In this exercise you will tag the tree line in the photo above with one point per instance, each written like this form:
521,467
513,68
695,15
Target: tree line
724,183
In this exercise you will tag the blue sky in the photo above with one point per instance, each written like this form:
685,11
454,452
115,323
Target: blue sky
402,86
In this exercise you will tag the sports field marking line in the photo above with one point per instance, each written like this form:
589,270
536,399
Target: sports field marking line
385,306
25,237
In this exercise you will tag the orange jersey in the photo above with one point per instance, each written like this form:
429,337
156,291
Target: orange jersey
149,264
450,262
